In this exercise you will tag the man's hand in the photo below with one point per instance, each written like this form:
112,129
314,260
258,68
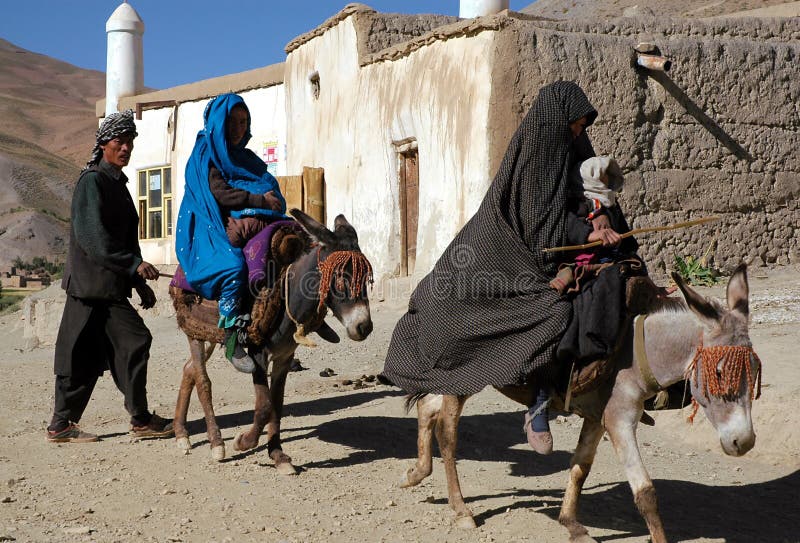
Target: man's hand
272,201
601,222
147,271
148,297
607,236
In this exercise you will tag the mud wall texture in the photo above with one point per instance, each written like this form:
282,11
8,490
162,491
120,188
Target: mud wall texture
716,135
379,31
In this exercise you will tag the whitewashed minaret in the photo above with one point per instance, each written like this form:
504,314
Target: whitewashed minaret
478,8
125,58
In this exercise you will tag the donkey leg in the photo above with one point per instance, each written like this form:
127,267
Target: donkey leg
244,441
280,370
447,436
621,425
267,412
580,465
203,387
182,407
428,409
185,394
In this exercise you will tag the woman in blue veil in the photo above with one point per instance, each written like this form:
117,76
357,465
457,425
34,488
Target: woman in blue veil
224,181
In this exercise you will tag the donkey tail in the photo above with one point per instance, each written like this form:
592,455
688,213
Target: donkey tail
412,399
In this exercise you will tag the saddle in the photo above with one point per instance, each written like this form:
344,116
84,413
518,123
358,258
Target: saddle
267,256
641,296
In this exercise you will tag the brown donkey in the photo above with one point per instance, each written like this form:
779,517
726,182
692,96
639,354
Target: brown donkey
331,274
706,343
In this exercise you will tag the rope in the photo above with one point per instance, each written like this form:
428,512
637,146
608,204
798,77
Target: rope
722,368
299,335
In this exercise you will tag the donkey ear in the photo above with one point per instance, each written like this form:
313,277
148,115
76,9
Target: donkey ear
327,333
340,221
697,303
315,229
738,291
345,232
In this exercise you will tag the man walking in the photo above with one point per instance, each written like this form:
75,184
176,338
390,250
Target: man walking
100,330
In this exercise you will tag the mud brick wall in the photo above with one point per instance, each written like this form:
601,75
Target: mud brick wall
719,134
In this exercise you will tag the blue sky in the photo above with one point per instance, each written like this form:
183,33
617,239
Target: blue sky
184,40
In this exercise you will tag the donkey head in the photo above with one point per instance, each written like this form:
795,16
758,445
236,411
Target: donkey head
342,273
725,370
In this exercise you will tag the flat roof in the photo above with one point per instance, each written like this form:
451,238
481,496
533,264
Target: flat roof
268,76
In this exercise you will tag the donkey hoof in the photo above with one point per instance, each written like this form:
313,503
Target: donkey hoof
218,453
183,444
286,468
238,445
465,523
406,481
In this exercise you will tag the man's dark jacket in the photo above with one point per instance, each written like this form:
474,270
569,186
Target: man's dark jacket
103,245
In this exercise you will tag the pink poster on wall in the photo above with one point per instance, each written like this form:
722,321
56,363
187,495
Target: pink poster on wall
269,154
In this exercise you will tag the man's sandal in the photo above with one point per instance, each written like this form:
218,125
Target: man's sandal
71,434
157,427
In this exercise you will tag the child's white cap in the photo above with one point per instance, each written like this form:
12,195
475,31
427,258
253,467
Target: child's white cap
592,168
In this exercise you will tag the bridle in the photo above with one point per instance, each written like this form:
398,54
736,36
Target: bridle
332,267
732,361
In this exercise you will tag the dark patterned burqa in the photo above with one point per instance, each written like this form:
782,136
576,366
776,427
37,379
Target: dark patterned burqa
485,315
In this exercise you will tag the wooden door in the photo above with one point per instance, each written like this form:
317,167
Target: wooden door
409,210
292,190
314,192
306,192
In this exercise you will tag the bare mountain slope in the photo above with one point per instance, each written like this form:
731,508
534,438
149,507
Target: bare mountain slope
580,9
48,102
46,134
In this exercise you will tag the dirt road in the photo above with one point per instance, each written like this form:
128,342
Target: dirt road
352,446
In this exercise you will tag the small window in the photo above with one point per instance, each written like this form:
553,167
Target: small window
154,188
155,203
313,80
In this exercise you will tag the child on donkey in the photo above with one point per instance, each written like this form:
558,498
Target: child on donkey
593,215
230,197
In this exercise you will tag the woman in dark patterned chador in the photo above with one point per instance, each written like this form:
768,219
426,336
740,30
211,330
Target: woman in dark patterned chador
486,314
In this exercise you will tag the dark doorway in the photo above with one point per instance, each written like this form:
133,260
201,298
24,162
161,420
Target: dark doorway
409,210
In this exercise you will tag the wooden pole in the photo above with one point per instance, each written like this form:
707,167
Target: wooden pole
676,226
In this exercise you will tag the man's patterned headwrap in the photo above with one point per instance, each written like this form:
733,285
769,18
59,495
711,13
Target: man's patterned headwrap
113,126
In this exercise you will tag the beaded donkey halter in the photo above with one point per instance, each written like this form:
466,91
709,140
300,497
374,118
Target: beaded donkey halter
334,266
722,367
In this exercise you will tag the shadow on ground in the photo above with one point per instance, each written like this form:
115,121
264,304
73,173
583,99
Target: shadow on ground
736,514
480,437
318,406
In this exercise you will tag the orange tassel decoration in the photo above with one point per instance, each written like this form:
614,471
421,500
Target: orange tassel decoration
336,264
722,368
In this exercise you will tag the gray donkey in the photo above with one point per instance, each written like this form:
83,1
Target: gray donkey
705,343
330,274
